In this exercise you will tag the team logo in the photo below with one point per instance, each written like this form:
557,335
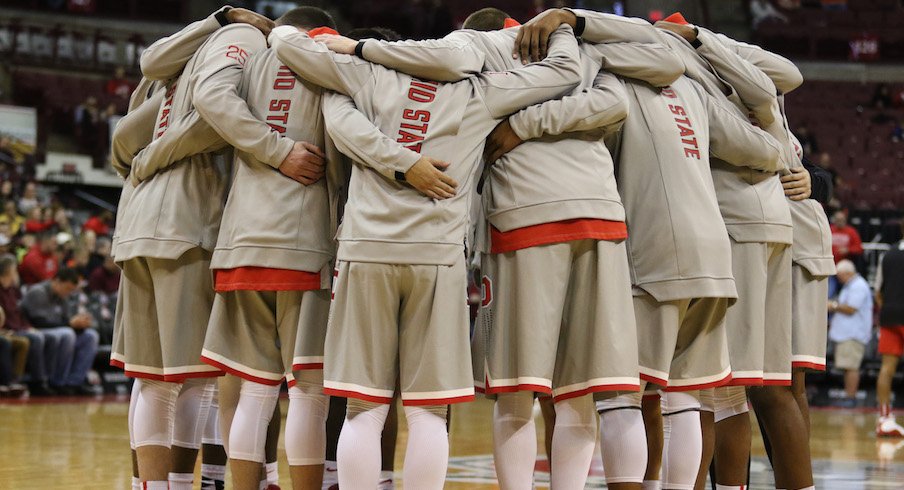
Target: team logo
486,291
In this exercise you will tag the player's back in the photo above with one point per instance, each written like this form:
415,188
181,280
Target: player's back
269,219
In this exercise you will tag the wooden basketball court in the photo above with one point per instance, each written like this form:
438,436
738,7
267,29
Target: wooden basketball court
66,444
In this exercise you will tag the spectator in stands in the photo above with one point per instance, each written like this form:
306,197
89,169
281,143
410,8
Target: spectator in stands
807,141
846,243
46,306
61,221
87,118
41,262
9,387
881,97
851,326
15,325
825,161
105,278
99,224
29,199
6,191
36,222
11,215
761,10
100,250
77,260
119,86
897,132
890,298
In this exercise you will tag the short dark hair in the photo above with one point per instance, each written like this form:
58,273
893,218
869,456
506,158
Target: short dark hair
67,275
378,33
7,262
307,18
486,19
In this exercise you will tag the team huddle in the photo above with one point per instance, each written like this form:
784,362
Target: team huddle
306,207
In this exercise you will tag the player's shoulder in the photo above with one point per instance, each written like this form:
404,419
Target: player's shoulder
237,32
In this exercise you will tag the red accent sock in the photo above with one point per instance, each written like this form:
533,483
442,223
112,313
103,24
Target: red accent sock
676,18
884,410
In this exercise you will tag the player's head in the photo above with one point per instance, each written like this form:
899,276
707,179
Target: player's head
306,18
486,19
845,270
378,33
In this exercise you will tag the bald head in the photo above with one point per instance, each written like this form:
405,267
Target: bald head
845,270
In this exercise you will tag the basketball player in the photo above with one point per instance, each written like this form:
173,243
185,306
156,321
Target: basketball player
890,297
397,247
563,226
166,232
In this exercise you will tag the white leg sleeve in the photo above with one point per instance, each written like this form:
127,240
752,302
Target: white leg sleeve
133,399
729,401
682,440
248,433
155,408
514,439
192,407
427,455
573,442
211,434
623,438
358,452
181,481
306,427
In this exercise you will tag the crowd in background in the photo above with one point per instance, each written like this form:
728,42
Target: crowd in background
58,288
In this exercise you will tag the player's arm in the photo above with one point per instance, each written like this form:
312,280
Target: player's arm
603,105
166,58
654,63
186,136
734,139
507,92
449,59
783,73
216,96
133,132
315,63
356,136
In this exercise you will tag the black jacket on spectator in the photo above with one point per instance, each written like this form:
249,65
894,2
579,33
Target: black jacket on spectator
43,309
892,287
820,182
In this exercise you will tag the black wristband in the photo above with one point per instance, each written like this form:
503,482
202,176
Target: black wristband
696,42
579,25
400,176
221,16
359,49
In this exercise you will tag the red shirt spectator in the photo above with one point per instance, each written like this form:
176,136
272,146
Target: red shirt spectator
106,278
119,86
9,301
99,224
846,242
40,263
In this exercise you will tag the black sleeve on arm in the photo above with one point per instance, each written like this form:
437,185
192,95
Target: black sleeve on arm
820,182
221,16
579,24
359,49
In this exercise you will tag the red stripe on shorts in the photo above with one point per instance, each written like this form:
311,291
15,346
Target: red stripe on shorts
310,365
808,365
356,395
653,379
702,386
117,363
492,390
438,401
235,372
265,279
595,389
556,232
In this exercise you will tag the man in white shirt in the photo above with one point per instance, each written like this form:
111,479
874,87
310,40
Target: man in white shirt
851,326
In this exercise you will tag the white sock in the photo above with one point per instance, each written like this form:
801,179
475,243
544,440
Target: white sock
192,408
155,485
248,433
652,485
682,440
514,439
155,408
623,439
330,475
306,427
358,452
427,455
136,482
386,476
272,473
730,487
181,481
573,442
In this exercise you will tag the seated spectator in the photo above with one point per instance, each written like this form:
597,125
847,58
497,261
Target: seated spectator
825,161
16,326
29,198
807,141
6,191
61,221
77,260
99,224
11,215
13,353
37,222
897,132
41,262
120,86
761,10
881,97
105,278
101,250
87,118
46,306
851,326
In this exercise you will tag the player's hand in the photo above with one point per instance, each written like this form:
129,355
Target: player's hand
684,30
427,177
338,44
254,19
304,164
138,170
797,184
501,141
533,38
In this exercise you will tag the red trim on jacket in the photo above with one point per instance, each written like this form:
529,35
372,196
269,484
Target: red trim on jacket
265,279
556,232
